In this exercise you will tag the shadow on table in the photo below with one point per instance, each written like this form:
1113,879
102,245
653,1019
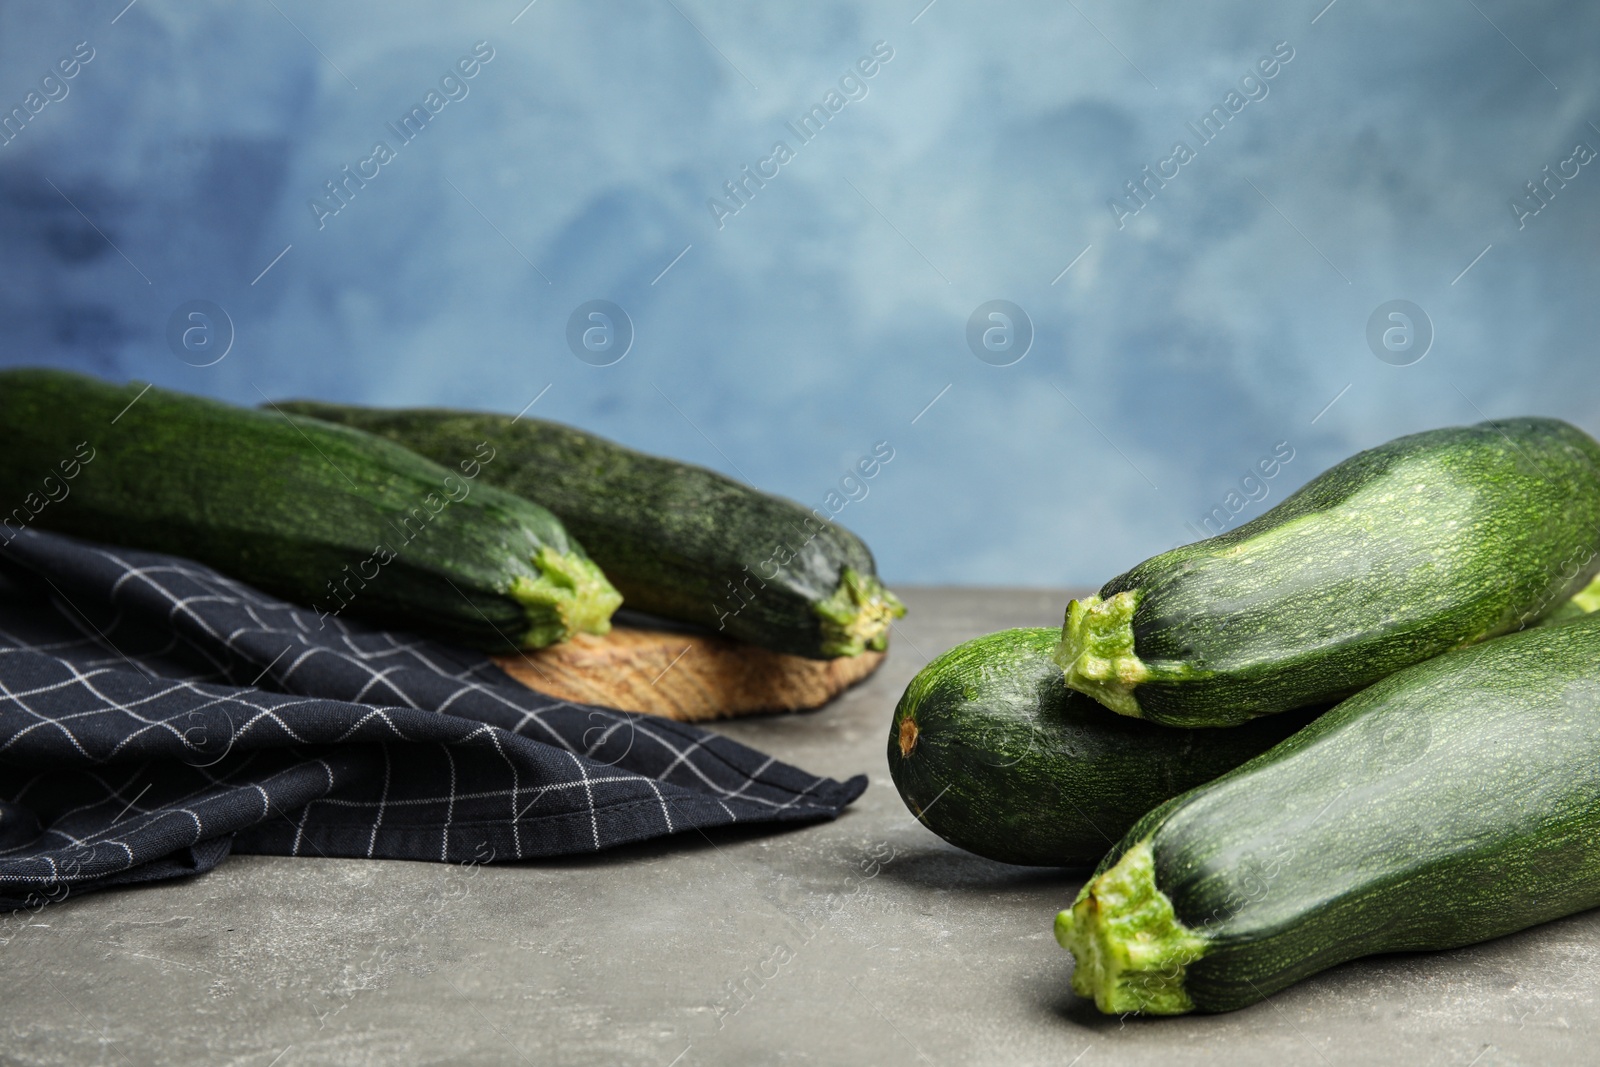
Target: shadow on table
947,867
686,843
939,867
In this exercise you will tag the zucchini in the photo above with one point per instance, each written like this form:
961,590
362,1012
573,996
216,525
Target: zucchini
679,541
1424,544
1452,802
991,751
322,515
1580,605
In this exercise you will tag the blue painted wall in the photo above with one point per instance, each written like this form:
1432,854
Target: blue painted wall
1201,326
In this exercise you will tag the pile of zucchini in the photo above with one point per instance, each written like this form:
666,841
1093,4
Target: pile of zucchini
489,530
679,541
1368,721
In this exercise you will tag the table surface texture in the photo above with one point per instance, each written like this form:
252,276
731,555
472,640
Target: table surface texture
863,941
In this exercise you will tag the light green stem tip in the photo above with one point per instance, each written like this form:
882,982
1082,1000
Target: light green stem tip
1096,651
571,595
1129,950
857,615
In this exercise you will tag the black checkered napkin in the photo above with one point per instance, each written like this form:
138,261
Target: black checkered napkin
155,714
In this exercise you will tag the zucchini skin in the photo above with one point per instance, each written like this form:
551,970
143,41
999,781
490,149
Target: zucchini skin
991,751
1452,802
1586,600
678,540
298,508
1426,543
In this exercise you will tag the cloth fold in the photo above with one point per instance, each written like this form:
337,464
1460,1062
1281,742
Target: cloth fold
155,714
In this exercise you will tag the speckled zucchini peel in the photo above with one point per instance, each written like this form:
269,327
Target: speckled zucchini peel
676,539
343,522
1450,803
990,750
1427,543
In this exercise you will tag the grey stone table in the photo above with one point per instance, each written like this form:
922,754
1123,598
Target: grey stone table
864,941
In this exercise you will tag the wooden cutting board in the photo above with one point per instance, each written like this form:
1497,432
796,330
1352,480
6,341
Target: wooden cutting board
691,677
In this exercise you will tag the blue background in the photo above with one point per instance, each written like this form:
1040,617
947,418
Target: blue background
1187,342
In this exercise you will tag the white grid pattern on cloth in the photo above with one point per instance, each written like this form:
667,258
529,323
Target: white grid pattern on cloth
315,736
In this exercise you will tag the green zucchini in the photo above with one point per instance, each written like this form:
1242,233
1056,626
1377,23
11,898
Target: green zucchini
1452,802
679,541
1586,601
326,516
1424,544
991,751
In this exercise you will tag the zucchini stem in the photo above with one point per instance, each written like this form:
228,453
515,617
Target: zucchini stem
571,595
857,615
1096,651
1130,952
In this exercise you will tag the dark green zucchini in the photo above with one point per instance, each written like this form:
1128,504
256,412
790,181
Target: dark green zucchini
992,752
326,516
1424,544
1452,802
680,541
